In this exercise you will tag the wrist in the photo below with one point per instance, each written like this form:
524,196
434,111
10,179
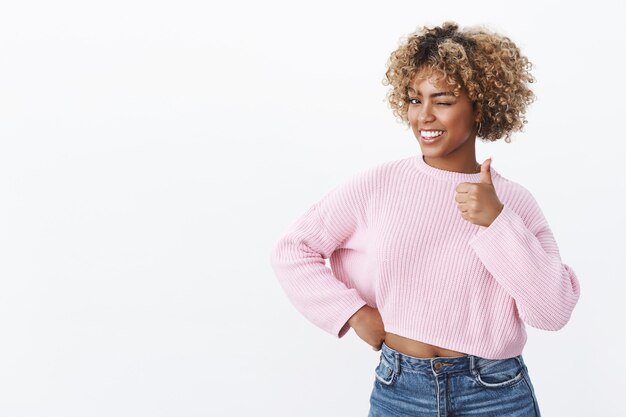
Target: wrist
352,321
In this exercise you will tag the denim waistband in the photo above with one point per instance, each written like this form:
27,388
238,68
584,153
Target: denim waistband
441,364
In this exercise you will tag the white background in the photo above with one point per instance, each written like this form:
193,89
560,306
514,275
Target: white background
151,153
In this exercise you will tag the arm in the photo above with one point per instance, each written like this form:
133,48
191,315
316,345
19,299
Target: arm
525,261
298,258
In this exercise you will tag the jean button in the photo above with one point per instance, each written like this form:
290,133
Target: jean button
438,365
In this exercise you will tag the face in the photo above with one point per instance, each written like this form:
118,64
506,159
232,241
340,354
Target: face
450,120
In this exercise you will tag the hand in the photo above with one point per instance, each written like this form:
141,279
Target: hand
368,325
478,201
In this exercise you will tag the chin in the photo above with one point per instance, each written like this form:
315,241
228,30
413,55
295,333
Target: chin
432,150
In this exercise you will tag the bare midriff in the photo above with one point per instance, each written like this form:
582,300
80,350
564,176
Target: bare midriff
416,348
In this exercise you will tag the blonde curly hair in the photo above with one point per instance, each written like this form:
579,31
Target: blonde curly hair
487,65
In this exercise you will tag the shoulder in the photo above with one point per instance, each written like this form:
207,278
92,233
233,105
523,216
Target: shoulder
512,188
370,178
522,201
355,192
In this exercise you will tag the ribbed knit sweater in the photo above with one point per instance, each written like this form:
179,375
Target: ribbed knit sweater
396,241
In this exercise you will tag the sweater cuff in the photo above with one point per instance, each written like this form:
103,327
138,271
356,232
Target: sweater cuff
342,326
505,217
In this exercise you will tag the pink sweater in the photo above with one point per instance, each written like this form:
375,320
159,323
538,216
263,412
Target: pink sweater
397,241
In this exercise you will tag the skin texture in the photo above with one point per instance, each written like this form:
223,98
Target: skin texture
478,202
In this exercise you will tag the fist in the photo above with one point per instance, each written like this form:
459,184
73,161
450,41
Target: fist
478,201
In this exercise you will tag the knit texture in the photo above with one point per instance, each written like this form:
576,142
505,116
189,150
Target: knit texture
396,240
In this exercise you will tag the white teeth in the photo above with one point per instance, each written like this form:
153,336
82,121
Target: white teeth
431,134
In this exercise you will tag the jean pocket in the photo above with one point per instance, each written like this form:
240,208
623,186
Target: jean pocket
499,373
385,373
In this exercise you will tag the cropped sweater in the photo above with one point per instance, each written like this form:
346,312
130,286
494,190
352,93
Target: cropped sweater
396,241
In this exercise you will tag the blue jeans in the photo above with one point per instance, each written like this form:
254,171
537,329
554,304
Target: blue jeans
456,386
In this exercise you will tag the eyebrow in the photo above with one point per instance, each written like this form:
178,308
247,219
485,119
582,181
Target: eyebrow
441,93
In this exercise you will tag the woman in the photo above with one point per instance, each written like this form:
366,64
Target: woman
436,260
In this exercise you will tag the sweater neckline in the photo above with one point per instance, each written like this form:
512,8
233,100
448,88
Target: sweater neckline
442,174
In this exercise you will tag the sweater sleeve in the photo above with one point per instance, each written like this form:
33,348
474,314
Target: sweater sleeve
524,259
298,258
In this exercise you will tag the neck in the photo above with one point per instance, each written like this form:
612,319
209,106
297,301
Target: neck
465,167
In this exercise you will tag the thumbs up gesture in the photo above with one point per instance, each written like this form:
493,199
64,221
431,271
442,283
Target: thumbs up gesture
478,201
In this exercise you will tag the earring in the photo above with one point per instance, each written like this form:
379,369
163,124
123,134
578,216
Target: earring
479,126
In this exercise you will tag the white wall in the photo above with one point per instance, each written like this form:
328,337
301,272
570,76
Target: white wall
152,152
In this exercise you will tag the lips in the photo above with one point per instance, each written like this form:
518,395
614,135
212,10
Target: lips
431,140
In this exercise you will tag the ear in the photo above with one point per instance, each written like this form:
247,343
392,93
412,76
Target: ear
477,113
477,121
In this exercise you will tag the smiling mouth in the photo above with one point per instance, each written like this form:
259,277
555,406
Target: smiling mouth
431,137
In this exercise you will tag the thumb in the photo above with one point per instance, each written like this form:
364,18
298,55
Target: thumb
485,171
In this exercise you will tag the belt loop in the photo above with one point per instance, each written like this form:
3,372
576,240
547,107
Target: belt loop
396,357
471,358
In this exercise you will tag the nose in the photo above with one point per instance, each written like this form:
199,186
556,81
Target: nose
425,114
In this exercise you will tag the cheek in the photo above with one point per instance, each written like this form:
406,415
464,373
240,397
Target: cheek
459,121
411,114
